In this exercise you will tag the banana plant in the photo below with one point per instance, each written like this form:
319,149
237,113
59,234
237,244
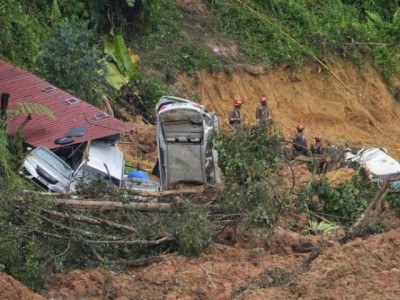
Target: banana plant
122,65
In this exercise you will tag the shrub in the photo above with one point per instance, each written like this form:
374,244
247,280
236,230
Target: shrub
191,227
258,203
248,155
71,59
347,200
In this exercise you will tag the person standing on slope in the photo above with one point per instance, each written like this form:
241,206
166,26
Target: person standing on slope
263,117
299,142
317,148
235,117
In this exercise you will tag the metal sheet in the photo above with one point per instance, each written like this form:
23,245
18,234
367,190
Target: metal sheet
184,163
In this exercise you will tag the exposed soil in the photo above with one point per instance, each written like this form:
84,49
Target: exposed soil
360,113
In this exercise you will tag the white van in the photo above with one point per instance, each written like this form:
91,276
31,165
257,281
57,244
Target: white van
104,160
183,129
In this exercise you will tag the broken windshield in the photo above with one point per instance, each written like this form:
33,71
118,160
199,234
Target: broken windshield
53,161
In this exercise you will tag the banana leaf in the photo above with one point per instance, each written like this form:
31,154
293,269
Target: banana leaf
121,64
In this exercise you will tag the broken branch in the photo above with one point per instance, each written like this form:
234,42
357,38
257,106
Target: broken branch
136,242
109,205
94,221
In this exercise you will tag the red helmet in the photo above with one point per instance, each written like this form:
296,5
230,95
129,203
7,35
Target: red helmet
318,137
238,102
300,127
263,99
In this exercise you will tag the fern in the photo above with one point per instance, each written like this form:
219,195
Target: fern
27,108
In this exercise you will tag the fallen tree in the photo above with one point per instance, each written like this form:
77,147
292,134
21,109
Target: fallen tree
113,205
116,205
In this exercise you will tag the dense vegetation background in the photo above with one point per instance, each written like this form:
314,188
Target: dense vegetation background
55,38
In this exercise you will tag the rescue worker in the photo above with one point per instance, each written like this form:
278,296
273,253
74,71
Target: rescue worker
262,112
317,148
235,117
300,142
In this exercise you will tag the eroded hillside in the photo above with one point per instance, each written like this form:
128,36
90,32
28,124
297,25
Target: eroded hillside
355,107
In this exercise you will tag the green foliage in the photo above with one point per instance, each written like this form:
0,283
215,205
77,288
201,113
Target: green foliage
394,201
9,159
321,227
194,57
27,108
191,227
248,155
20,248
130,3
163,45
20,34
21,258
94,187
346,200
250,161
5,155
55,12
277,32
122,67
149,91
71,59
259,203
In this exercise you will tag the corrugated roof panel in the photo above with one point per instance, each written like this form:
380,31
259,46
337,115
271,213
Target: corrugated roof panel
42,130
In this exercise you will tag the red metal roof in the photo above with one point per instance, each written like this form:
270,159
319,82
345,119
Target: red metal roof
43,130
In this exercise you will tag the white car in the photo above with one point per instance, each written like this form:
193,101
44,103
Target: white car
183,129
376,163
47,170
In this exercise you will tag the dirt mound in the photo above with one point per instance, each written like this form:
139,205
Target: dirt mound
217,274
340,175
11,289
315,267
361,269
140,145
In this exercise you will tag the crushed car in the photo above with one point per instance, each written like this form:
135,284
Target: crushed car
63,170
183,128
376,164
48,171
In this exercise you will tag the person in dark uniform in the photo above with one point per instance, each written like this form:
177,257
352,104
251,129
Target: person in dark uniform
262,112
317,148
300,142
235,117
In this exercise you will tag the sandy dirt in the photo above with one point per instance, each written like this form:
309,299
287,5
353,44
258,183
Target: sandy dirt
357,110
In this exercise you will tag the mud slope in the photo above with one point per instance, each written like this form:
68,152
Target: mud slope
355,107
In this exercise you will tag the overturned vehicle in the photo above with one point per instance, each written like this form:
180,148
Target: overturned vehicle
376,164
183,129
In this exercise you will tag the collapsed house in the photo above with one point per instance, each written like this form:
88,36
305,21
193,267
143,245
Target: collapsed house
79,140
